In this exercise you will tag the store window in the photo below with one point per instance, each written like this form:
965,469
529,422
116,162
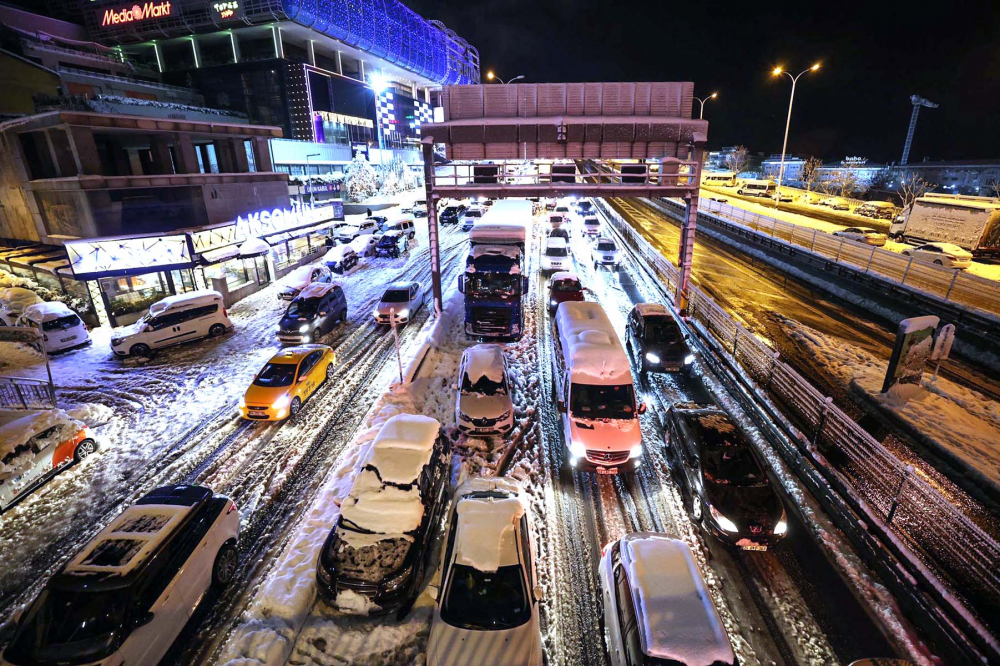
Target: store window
298,248
236,273
280,255
134,294
183,281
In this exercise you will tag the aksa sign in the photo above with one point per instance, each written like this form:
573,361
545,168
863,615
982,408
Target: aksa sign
135,13
266,222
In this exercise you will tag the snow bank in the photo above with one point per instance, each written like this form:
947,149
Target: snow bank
93,414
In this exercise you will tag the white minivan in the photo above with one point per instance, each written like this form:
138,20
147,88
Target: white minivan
61,327
173,320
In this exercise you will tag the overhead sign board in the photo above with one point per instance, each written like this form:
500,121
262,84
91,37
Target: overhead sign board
227,10
140,11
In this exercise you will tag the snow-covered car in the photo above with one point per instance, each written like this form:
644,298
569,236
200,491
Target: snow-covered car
285,382
313,314
174,320
784,197
392,244
404,224
290,285
556,221
657,609
556,255
341,258
364,246
483,406
563,209
879,210
591,226
722,479
35,446
565,287
400,300
835,203
470,217
419,208
862,235
349,232
13,300
487,604
606,254
561,232
128,593
374,559
62,328
718,198
941,254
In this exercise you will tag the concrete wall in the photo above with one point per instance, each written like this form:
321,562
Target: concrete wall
22,80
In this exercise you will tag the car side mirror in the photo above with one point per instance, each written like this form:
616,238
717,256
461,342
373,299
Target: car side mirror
642,408
323,313
539,592
561,405
142,620
454,387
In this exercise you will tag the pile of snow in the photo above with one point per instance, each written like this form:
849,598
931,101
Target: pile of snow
254,246
92,413
18,426
487,528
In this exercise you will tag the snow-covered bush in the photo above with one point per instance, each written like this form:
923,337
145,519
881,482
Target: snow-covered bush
79,305
360,179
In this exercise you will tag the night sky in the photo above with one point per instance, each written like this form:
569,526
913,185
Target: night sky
875,55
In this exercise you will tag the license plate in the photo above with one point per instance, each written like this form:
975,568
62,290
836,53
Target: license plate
258,413
72,337
747,544
611,471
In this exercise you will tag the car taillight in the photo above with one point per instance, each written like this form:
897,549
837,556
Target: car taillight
604,549
224,312
232,507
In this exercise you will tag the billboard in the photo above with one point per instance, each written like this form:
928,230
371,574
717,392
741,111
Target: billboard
136,13
914,344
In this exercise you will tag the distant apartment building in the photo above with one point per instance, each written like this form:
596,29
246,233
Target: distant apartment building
793,167
975,177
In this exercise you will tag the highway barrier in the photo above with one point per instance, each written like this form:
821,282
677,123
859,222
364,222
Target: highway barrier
894,516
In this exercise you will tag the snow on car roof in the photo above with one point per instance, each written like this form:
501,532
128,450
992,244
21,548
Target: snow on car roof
965,203
129,540
556,241
49,310
509,251
403,446
384,510
651,309
676,617
203,294
498,233
337,253
484,361
950,247
486,532
18,426
590,345
564,275
316,290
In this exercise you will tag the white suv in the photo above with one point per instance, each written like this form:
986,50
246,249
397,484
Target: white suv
173,320
128,593
556,256
605,253
487,604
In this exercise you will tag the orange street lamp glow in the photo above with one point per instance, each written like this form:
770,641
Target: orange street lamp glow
489,75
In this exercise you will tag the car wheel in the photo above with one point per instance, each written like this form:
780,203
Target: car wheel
224,569
342,317
84,449
938,262
295,407
216,330
139,350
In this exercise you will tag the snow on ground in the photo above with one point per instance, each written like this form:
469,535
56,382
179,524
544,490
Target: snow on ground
960,421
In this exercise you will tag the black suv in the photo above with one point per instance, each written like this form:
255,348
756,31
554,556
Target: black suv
723,479
654,341
451,214
392,244
313,313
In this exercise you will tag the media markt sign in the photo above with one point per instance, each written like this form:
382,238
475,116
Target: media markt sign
135,13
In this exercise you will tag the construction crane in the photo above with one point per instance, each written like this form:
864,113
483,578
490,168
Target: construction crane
917,102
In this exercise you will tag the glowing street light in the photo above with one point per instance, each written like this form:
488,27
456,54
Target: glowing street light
701,114
490,75
778,71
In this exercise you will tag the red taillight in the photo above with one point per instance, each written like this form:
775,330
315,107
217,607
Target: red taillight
604,549
232,507
224,312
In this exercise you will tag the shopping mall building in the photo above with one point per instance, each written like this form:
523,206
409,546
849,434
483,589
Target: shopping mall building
162,153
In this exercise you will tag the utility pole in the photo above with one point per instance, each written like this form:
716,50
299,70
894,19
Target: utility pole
917,101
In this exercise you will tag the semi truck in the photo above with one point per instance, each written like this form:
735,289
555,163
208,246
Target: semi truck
970,223
494,282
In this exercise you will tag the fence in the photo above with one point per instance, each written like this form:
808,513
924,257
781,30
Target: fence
884,487
948,284
22,393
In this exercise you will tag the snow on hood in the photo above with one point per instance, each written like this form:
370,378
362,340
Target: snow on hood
17,427
337,253
298,278
484,361
606,435
486,528
384,510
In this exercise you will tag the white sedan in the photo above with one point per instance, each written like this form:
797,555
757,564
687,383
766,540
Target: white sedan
862,235
487,605
941,254
400,300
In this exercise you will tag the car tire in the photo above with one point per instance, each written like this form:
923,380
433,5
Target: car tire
342,317
906,253
216,330
139,350
224,568
295,407
84,450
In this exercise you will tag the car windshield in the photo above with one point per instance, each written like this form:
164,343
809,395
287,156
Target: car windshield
486,601
484,385
602,402
591,222
662,330
726,457
61,324
562,209
556,251
396,296
69,626
276,374
606,246
303,308
566,285
493,284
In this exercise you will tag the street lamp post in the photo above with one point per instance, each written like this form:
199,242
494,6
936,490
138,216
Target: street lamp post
491,76
701,114
312,193
777,72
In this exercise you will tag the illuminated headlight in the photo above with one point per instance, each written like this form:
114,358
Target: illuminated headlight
516,328
403,314
577,449
304,328
553,303
652,358
323,574
689,359
281,402
243,402
724,523
636,451
782,525
375,313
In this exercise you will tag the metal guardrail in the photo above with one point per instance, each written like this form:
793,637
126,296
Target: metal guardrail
24,393
924,527
948,284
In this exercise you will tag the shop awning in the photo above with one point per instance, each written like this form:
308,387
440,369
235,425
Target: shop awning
219,255
281,237
254,247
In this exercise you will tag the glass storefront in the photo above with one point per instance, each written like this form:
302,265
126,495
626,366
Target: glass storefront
130,297
236,272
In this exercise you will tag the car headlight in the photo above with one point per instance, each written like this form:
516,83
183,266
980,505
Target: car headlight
652,358
323,574
281,402
782,525
577,449
504,416
724,523
375,313
243,401
403,314
553,303
636,451
304,328
689,359
398,581
115,342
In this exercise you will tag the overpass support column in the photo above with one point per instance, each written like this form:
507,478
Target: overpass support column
688,226
432,223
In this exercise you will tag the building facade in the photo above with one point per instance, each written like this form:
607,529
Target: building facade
974,177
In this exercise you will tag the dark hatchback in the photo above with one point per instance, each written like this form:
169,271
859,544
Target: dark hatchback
723,479
655,341
451,215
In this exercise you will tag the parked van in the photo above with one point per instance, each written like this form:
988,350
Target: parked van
718,178
127,594
404,224
173,320
62,328
756,188
594,392
35,446
420,208
313,314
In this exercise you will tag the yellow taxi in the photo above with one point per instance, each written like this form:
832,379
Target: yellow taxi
287,381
